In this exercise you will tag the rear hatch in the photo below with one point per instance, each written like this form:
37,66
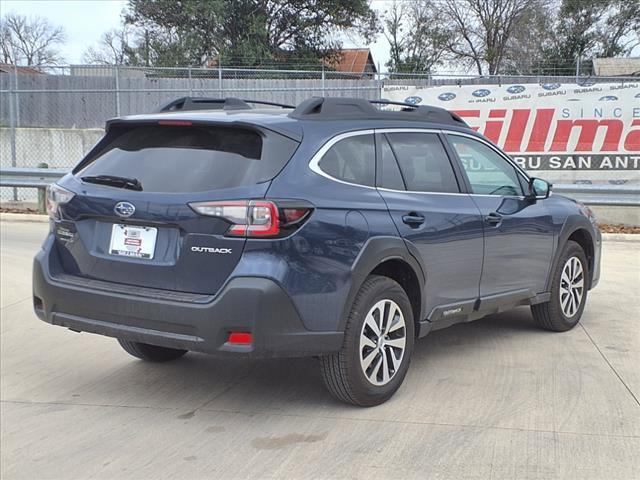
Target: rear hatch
141,231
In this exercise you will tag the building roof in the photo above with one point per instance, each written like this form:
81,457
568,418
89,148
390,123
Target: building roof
8,68
612,67
354,60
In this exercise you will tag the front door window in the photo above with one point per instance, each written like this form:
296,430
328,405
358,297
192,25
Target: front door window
488,172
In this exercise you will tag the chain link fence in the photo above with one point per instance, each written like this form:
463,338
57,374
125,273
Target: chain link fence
53,118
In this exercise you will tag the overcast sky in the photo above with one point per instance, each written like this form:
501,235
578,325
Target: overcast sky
84,21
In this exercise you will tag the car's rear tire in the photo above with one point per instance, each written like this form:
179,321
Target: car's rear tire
377,347
150,353
568,291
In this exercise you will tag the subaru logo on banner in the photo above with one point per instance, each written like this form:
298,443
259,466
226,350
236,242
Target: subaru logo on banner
550,86
481,92
413,100
516,89
608,98
447,96
124,209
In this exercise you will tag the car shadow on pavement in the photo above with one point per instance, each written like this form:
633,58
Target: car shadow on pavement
199,381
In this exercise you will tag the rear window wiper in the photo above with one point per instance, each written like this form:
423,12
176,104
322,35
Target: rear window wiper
114,181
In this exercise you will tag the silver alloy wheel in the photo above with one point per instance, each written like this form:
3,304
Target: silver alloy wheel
571,286
382,342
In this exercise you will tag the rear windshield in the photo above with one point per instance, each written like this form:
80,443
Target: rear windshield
181,159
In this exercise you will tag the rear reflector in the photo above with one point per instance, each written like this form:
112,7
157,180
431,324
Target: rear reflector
292,215
240,338
37,303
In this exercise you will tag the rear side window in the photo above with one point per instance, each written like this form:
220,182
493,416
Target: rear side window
178,159
352,159
424,162
389,175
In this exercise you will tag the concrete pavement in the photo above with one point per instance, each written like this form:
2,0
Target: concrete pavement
497,398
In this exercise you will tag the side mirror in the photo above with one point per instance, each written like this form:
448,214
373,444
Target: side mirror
539,189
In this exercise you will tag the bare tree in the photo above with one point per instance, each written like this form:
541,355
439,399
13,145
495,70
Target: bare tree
527,47
114,48
30,41
393,20
417,40
480,30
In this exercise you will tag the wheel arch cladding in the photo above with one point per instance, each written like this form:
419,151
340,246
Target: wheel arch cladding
399,270
578,229
388,256
583,238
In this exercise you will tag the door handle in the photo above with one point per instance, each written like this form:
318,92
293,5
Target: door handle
493,218
413,219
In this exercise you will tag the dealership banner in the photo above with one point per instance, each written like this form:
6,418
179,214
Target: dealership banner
561,127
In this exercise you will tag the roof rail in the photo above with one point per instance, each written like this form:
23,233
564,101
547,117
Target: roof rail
203,103
339,108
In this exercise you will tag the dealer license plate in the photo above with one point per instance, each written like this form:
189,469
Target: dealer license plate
132,241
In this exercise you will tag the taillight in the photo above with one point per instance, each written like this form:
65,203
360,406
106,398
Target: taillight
255,218
56,196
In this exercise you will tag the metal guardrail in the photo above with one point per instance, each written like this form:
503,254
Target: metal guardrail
602,194
30,177
611,195
38,178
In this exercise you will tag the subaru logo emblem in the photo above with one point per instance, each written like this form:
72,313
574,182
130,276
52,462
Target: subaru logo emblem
608,98
516,89
481,92
551,86
447,96
413,100
124,209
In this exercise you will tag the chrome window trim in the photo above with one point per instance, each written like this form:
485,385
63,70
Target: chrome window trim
391,190
314,163
317,157
407,130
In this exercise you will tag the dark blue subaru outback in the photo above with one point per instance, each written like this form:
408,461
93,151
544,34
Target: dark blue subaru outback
336,229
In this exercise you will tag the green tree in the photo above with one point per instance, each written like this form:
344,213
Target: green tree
593,28
244,32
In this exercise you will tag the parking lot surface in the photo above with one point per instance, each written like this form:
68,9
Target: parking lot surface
496,398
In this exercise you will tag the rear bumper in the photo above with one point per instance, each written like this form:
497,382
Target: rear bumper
246,304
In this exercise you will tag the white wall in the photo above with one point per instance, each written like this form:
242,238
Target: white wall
58,147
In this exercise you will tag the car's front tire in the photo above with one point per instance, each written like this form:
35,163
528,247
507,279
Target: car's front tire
377,347
568,291
150,353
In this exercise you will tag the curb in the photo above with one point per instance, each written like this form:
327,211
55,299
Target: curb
23,217
621,237
38,218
